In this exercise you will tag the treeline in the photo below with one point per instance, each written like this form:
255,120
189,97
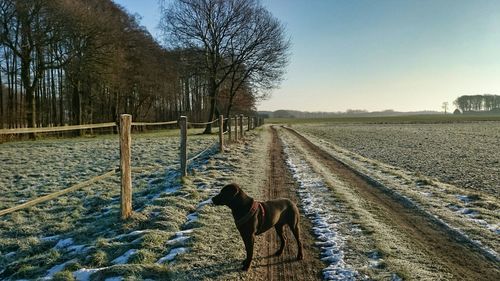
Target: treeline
468,103
348,113
87,61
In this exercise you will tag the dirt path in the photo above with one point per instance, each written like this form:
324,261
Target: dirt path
265,265
433,247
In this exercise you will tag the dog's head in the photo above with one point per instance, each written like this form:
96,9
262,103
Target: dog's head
226,195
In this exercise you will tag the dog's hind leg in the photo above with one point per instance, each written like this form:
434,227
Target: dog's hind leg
281,235
296,234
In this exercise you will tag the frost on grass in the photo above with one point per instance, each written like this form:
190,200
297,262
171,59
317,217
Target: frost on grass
91,216
464,154
215,249
469,206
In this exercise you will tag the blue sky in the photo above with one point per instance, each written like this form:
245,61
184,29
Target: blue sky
379,54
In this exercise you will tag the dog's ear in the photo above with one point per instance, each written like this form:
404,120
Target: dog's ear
230,191
233,190
236,189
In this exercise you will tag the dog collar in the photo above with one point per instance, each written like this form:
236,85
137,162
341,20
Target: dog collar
250,214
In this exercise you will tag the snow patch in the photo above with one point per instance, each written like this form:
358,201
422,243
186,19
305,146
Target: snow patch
78,249
133,233
84,274
57,268
464,198
50,238
178,240
192,217
64,243
202,204
172,254
11,254
124,258
183,232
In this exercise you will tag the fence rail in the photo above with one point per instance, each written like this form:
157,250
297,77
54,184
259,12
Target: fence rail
55,129
153,123
125,154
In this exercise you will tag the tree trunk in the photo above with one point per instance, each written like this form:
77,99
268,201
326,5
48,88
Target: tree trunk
17,113
10,99
212,93
187,95
77,106
29,91
228,112
61,99
53,104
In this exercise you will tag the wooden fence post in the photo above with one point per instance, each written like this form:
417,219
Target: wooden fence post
183,153
125,170
236,128
241,126
221,133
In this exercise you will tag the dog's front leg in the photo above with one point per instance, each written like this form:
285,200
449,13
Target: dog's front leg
249,241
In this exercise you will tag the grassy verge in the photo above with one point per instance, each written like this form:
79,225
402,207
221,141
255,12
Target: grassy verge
217,249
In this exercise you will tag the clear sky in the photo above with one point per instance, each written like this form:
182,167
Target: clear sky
405,55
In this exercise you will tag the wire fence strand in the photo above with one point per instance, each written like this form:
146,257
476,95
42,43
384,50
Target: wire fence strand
202,152
57,193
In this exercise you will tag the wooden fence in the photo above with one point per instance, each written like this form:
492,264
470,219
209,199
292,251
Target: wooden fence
125,131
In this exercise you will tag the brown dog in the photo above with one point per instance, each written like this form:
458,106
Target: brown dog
254,218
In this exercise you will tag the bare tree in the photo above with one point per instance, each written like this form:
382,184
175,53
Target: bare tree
445,107
228,33
259,56
27,30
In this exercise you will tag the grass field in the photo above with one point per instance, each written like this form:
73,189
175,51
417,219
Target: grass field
431,162
175,234
405,119
82,229
464,153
